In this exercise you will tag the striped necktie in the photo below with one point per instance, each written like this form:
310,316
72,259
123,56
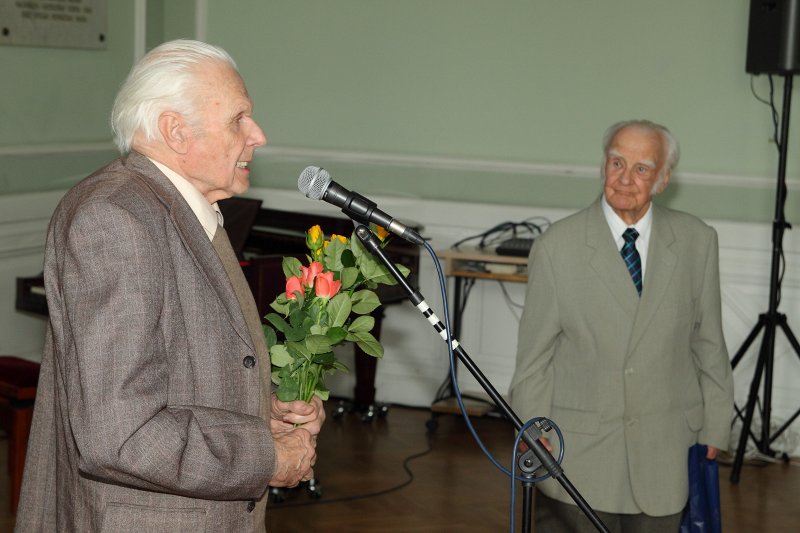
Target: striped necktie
631,257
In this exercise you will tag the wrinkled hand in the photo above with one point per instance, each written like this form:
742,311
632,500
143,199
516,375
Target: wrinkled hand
712,453
295,455
285,416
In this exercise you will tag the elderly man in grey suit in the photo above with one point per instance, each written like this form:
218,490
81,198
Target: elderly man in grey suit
621,344
154,411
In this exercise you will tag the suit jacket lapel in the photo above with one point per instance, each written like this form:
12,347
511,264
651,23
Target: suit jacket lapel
661,263
194,238
607,261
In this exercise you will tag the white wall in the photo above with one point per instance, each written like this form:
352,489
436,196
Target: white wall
23,225
415,363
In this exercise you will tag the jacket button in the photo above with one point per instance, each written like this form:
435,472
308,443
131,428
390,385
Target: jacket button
250,506
249,361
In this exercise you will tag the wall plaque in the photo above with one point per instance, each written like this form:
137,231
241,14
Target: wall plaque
53,23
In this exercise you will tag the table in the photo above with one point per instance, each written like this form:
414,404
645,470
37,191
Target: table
465,267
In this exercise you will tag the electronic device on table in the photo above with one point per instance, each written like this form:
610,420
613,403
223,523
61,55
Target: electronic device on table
516,246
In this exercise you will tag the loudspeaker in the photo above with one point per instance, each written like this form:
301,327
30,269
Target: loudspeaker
773,37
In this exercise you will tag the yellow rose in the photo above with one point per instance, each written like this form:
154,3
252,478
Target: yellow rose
315,238
381,232
340,238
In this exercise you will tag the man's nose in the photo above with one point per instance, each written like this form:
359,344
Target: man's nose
626,176
257,136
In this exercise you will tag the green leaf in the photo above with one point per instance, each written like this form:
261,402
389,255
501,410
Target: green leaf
270,337
280,306
318,330
295,334
333,255
291,266
349,276
324,359
359,252
336,335
348,259
323,394
367,342
279,356
299,349
383,276
318,344
277,321
365,301
339,366
288,390
404,270
338,309
297,317
361,324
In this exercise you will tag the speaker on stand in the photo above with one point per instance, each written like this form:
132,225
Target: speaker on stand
772,48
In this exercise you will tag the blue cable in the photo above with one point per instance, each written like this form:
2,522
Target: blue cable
459,400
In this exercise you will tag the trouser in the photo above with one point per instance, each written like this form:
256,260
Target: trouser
553,516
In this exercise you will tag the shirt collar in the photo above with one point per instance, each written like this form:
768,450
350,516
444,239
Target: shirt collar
209,215
618,226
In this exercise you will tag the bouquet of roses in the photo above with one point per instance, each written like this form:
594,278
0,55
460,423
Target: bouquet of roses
326,303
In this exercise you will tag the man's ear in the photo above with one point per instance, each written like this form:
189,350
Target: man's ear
174,131
663,184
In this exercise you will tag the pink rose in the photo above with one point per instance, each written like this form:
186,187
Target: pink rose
310,273
293,284
325,287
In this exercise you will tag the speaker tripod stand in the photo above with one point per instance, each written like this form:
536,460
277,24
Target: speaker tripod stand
770,321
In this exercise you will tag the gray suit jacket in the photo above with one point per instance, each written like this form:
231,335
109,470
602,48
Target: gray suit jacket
632,382
146,417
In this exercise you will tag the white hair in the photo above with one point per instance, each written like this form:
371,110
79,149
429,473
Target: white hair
163,80
668,140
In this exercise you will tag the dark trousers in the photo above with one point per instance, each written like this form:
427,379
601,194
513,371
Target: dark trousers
553,516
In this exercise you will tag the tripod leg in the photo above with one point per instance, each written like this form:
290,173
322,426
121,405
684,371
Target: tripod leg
789,335
796,346
768,362
748,341
748,417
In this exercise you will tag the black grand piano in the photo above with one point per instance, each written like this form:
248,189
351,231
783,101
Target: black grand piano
261,238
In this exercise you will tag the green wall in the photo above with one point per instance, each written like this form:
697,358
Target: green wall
55,104
500,101
520,81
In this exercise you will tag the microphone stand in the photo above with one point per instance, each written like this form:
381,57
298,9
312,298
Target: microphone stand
537,455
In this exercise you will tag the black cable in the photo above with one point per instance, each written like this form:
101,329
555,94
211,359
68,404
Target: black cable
408,481
778,140
506,230
771,104
753,91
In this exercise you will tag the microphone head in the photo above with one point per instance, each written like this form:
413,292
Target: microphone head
313,182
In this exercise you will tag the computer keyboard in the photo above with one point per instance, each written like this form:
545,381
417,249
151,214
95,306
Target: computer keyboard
516,246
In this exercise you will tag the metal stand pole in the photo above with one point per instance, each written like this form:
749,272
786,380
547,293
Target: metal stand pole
770,320
531,434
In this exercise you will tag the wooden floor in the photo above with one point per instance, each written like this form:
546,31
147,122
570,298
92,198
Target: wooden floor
454,487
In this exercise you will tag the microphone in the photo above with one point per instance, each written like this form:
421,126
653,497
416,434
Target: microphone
316,183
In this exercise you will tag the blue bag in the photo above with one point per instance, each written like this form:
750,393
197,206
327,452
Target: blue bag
702,513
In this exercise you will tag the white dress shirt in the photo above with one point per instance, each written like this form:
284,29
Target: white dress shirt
209,215
618,227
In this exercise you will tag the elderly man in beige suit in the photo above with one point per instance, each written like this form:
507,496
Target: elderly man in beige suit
621,344
154,411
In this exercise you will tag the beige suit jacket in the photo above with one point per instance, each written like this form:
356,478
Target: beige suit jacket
632,382
147,411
